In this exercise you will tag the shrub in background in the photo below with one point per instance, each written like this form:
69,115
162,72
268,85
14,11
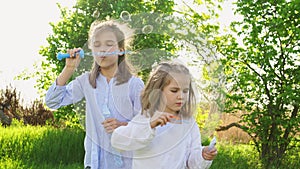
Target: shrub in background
12,107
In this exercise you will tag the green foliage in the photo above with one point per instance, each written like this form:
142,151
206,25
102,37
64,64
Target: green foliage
28,145
33,147
264,75
167,38
20,164
72,31
236,156
201,116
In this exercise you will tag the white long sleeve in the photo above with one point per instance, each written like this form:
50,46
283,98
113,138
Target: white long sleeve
136,135
58,96
176,146
195,159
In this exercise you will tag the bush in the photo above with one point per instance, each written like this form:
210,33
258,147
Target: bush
11,107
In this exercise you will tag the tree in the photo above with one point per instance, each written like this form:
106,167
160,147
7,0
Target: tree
264,74
160,43
72,31
198,38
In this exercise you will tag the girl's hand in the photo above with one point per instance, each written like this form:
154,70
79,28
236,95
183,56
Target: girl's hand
73,61
160,118
111,124
70,67
209,154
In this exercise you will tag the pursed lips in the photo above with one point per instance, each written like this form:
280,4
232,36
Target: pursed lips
179,103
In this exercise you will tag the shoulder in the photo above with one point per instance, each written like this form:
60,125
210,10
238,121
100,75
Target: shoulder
136,81
136,85
83,75
83,78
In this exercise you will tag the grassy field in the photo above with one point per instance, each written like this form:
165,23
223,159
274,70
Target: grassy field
40,147
48,148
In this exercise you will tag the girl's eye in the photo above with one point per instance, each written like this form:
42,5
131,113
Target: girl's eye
173,91
96,44
185,91
110,43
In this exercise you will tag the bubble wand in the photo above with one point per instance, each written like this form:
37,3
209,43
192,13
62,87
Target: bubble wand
212,143
61,56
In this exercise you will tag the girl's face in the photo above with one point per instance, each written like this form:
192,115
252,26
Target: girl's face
176,93
105,41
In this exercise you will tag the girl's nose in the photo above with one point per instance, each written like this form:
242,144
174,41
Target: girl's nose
103,49
180,95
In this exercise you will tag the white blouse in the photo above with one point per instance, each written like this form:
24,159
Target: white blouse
123,102
176,146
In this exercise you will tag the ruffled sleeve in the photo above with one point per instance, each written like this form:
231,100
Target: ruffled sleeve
136,135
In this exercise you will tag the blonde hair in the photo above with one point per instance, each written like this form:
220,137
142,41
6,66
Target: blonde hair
123,35
159,78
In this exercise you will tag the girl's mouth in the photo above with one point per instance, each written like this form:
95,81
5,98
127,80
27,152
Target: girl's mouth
179,104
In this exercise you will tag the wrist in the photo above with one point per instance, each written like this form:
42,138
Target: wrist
70,68
124,123
153,125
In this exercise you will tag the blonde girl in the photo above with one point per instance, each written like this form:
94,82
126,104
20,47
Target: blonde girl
111,91
165,134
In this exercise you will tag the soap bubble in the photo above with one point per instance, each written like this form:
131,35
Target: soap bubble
192,47
96,14
158,20
125,16
147,29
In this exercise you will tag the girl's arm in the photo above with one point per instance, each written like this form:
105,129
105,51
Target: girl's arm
195,158
59,94
70,67
136,135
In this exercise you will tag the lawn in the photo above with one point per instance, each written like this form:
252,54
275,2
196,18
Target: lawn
47,148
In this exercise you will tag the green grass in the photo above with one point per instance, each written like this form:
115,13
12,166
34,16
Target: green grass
29,164
40,147
244,156
30,147
237,156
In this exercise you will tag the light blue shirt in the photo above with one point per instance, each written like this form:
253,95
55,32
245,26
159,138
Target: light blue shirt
123,102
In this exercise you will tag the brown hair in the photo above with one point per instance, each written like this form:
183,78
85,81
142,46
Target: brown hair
159,78
125,69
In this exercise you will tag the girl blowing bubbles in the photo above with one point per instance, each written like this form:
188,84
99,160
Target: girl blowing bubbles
165,135
111,92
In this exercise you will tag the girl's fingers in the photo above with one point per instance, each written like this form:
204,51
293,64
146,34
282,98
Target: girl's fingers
74,53
77,50
110,123
160,122
108,120
164,120
209,154
161,118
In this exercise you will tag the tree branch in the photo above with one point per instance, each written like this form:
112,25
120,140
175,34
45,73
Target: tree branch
223,128
260,76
